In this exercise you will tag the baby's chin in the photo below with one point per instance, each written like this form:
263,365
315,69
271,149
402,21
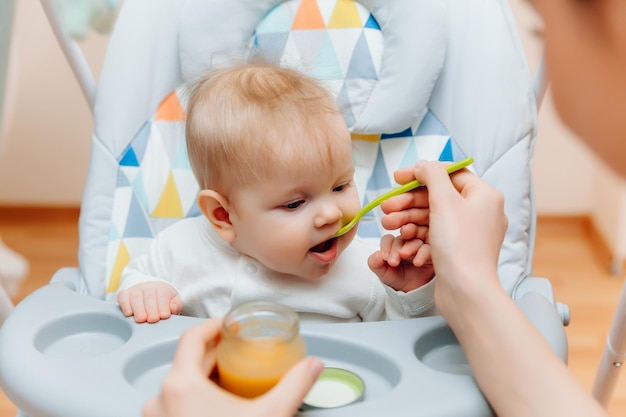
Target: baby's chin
314,275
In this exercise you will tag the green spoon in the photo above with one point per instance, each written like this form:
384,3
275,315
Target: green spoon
396,191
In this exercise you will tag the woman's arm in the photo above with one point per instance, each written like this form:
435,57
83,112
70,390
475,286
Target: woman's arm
513,364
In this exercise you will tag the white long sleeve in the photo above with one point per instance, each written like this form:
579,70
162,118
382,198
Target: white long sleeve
211,276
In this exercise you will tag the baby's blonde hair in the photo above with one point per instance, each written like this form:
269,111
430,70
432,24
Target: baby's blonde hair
242,118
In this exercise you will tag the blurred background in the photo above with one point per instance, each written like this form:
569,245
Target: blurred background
46,125
45,130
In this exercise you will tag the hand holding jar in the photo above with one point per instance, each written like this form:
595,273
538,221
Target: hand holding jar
187,391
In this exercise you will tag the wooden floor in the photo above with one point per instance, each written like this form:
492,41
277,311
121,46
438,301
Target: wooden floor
48,238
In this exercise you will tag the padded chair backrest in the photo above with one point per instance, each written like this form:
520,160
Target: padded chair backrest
418,79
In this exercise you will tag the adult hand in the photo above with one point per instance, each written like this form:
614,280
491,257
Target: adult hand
467,225
187,390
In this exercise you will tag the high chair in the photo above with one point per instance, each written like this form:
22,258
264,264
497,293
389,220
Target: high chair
418,79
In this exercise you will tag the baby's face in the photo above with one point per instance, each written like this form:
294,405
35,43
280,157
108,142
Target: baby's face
287,222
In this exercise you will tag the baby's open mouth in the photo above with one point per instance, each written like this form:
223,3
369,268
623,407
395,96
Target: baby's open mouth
323,247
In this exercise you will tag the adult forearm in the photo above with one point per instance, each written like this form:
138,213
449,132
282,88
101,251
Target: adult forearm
515,367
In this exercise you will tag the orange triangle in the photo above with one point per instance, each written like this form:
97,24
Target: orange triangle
345,15
170,109
121,261
308,16
169,204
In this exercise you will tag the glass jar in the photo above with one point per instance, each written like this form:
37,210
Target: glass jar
260,342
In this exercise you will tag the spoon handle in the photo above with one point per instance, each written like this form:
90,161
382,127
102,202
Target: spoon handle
397,191
414,184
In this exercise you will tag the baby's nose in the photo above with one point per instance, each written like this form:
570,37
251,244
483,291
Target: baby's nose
329,214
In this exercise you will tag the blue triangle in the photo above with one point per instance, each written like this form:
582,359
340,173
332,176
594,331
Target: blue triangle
368,229
379,178
411,156
372,23
361,65
431,125
140,141
446,154
136,223
181,160
326,66
276,20
113,233
271,45
406,133
129,158
122,179
140,191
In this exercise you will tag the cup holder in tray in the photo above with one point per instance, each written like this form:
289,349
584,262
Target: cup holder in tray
379,372
440,350
145,370
82,336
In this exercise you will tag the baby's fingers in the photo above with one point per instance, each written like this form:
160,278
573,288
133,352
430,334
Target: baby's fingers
123,300
138,306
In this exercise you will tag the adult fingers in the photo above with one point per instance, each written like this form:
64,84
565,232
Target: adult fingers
411,231
404,175
398,216
151,408
439,182
411,199
286,397
196,348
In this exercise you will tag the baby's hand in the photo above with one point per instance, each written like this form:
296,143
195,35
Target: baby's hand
150,301
404,262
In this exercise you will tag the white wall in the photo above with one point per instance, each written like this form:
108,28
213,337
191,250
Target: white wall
47,123
47,127
569,178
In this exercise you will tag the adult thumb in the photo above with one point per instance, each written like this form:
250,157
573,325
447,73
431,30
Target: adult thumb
286,397
435,177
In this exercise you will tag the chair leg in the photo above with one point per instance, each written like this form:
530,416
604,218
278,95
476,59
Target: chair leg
614,355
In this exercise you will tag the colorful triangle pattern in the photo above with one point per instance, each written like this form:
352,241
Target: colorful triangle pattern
338,41
155,186
431,141
332,40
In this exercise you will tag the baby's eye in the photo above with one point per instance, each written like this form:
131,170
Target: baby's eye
294,205
340,188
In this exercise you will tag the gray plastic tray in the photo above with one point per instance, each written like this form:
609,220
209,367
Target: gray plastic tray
69,355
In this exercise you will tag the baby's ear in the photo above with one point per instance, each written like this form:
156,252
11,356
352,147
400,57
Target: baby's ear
216,208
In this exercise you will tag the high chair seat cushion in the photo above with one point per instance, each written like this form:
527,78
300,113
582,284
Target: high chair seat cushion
481,102
156,187
381,58
357,50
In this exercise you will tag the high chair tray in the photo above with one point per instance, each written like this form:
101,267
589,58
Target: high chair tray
69,355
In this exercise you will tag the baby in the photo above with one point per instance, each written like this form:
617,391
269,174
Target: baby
273,158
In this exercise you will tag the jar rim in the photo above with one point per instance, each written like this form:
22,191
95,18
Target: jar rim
261,321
